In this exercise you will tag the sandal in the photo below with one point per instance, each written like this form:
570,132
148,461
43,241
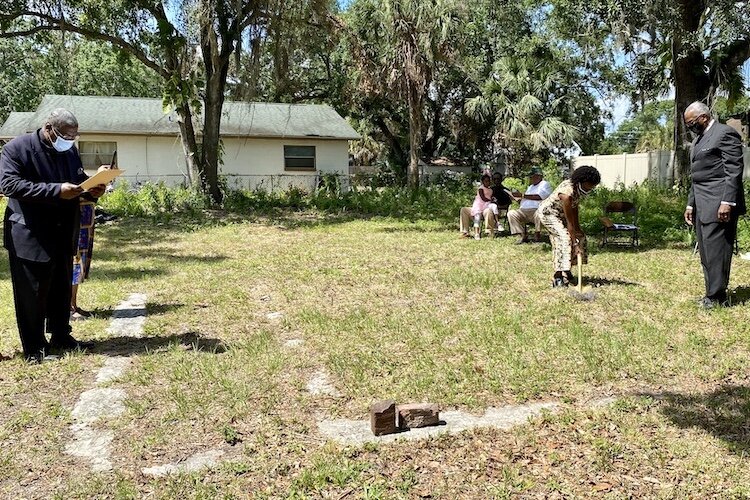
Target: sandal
559,283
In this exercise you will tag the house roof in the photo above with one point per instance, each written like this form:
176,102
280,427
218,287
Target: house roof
16,124
145,116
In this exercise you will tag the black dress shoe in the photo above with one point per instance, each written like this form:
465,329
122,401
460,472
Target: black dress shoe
707,303
68,342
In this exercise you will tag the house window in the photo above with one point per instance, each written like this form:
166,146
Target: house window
299,157
94,154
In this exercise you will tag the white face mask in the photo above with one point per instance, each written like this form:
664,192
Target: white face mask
583,191
62,145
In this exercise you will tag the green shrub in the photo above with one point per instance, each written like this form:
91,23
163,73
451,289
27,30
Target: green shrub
660,212
153,200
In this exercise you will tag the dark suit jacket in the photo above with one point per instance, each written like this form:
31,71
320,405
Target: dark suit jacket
38,224
500,193
716,166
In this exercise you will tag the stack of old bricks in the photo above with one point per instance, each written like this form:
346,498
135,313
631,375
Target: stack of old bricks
386,417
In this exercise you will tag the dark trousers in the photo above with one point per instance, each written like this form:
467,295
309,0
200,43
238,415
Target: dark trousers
41,290
716,245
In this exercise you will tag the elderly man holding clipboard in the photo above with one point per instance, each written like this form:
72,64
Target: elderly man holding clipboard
41,174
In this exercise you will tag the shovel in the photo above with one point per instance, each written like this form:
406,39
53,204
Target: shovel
579,293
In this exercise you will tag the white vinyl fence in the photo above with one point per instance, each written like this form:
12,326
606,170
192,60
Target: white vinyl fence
635,168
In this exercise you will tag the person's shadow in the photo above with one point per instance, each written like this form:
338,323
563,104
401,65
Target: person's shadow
133,346
599,281
724,412
740,295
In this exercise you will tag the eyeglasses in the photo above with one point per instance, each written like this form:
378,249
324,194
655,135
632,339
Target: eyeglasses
694,122
66,137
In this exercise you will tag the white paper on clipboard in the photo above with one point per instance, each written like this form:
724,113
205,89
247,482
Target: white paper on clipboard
103,177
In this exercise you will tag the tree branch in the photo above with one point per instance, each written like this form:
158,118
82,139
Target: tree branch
56,24
735,54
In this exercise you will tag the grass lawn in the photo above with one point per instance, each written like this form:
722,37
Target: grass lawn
390,309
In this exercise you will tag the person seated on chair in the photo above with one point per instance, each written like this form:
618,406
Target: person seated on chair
489,205
529,203
482,203
501,200
475,212
497,201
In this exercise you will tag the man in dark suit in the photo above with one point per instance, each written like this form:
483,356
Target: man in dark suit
40,174
716,199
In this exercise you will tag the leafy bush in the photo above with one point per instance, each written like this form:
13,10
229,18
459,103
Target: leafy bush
660,209
329,184
515,184
153,200
660,212
452,180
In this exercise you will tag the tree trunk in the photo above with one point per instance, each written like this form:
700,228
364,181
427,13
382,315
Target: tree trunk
217,54
434,131
189,146
690,80
415,133
213,103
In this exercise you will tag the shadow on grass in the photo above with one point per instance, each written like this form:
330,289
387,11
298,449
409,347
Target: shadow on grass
151,309
136,229
142,231
125,273
740,295
724,412
133,255
597,281
155,309
650,244
133,346
415,228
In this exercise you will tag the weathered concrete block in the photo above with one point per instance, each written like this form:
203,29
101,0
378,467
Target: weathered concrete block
383,417
411,416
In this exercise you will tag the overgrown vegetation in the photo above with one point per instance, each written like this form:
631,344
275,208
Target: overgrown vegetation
660,209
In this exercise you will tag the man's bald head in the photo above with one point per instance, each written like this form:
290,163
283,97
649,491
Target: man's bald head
62,118
60,123
697,109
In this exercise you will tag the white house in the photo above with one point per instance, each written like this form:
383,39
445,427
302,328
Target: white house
264,144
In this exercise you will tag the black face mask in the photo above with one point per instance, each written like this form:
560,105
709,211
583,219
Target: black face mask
696,128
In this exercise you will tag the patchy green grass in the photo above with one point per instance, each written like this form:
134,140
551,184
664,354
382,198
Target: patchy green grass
391,309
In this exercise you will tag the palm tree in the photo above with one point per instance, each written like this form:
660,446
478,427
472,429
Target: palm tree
397,52
529,103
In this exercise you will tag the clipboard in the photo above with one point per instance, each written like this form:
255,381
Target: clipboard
103,177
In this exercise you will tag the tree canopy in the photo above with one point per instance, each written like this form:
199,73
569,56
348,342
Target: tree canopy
505,82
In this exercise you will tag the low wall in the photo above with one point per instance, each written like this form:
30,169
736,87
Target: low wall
628,169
